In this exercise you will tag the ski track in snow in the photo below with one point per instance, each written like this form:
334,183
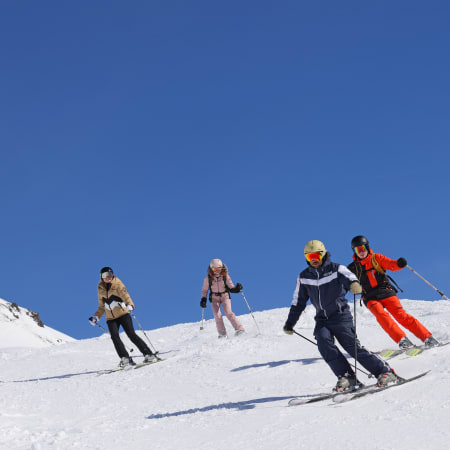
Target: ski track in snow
222,394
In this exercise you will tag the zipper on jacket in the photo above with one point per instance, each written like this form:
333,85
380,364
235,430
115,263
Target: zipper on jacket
107,298
318,288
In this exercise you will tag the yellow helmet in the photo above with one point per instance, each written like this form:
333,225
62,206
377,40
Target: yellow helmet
315,247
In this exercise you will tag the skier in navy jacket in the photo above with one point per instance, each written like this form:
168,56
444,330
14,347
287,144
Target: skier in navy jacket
326,283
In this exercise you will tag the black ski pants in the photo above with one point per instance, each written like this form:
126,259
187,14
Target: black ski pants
127,325
340,327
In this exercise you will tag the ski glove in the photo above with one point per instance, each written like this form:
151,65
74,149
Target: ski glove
236,289
130,308
93,320
401,262
355,288
203,302
288,328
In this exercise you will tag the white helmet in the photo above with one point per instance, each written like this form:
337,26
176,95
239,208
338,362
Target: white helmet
216,262
315,247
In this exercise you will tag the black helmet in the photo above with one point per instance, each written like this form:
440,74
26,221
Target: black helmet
107,271
360,240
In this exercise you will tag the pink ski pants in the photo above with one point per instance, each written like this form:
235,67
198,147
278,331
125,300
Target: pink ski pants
225,302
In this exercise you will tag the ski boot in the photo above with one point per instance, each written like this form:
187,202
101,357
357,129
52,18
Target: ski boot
152,358
387,378
431,342
346,383
405,343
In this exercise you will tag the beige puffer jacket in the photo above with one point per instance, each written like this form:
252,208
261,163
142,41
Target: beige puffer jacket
114,300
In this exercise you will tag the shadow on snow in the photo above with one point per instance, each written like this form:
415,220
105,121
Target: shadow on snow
56,377
248,404
305,361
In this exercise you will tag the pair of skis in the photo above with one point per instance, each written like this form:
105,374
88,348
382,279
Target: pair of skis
412,351
129,367
341,397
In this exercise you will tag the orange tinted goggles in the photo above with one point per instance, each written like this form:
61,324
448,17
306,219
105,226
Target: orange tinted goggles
360,249
313,256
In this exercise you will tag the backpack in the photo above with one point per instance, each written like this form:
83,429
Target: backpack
224,274
379,269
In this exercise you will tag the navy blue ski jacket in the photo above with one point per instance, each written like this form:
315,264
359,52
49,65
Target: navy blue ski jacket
326,287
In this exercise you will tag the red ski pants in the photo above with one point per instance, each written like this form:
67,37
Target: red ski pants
394,307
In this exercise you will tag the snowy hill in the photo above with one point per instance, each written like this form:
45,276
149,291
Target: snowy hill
222,394
20,327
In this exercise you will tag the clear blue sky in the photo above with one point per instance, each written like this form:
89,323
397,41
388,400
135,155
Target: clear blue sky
152,136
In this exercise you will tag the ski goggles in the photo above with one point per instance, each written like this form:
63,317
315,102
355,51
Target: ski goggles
316,256
107,275
217,269
360,249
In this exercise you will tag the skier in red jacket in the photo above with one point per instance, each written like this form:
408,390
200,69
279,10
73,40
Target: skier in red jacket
379,294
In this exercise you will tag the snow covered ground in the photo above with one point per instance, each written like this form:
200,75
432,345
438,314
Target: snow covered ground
19,328
216,394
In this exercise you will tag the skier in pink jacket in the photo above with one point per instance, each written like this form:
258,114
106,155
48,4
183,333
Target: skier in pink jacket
219,283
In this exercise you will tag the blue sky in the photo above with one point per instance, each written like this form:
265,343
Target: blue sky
154,136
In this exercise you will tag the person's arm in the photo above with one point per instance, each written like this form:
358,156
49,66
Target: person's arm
124,295
299,300
101,307
390,264
205,287
346,277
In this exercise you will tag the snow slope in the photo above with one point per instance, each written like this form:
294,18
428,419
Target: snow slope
222,394
19,328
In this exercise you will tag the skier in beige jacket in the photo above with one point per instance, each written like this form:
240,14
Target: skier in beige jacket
115,301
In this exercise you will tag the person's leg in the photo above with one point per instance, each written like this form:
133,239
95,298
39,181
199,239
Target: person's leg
344,332
393,305
226,304
376,307
215,306
127,325
113,327
330,353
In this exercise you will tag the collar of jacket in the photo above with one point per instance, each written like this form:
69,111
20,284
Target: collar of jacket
326,261
365,260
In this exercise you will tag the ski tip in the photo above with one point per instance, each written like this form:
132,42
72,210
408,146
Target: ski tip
297,401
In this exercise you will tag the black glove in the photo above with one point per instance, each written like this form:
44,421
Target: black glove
401,262
288,328
236,289
203,302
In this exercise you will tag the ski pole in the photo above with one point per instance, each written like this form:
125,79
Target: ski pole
203,318
443,296
251,312
130,350
145,334
301,335
369,375
356,341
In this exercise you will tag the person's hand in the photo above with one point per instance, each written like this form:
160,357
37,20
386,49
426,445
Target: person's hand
401,262
355,288
288,328
203,302
93,320
130,307
236,289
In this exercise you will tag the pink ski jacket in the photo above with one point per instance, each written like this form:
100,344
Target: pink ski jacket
217,285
